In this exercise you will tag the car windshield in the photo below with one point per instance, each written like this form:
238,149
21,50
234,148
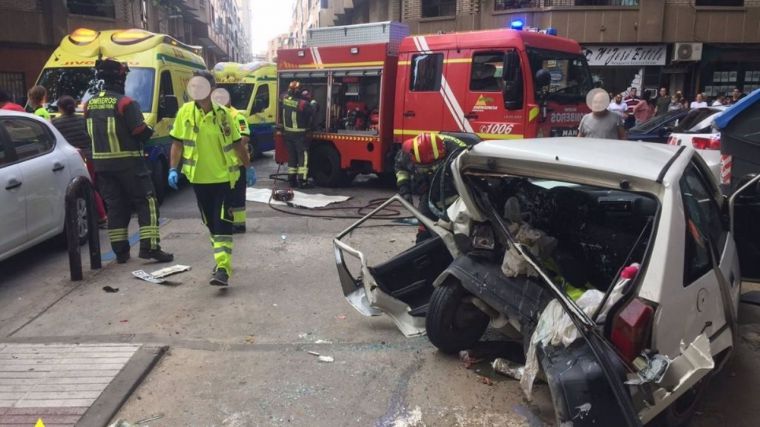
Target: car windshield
80,83
657,121
240,94
693,122
571,78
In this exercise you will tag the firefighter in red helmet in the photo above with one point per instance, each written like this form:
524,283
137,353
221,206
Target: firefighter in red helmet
416,164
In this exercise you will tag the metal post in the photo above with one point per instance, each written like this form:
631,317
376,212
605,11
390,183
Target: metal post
81,188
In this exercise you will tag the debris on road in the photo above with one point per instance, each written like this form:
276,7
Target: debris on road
168,271
313,353
250,339
508,368
468,358
322,342
326,359
149,419
142,274
122,423
341,317
110,290
485,380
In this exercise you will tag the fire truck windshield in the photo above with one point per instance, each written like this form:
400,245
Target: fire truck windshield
570,75
240,94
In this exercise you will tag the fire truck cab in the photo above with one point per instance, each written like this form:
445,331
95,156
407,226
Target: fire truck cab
376,86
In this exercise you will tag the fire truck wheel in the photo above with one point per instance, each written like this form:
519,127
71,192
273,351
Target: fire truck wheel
325,167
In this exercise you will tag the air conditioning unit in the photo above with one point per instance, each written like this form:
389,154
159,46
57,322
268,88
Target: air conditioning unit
687,52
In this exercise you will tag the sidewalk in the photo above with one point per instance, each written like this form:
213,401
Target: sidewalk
66,384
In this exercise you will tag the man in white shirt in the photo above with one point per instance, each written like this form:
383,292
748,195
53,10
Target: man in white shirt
617,106
698,103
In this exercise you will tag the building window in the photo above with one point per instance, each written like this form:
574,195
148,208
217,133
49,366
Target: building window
634,3
103,8
435,8
738,3
515,4
14,84
426,73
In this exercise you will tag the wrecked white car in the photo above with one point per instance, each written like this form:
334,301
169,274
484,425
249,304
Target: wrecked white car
615,262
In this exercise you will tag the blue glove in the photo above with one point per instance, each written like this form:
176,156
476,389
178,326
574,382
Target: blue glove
173,178
250,176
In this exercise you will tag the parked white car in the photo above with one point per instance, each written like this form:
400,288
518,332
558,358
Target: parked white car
640,229
697,129
36,166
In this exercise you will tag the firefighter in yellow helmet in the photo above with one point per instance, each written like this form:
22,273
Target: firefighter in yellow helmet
297,112
416,163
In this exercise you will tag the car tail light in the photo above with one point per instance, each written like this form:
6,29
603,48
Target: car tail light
711,143
726,164
631,328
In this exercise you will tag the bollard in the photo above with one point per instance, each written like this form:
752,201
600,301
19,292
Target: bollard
81,188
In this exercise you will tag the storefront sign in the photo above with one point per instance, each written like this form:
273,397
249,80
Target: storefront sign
601,56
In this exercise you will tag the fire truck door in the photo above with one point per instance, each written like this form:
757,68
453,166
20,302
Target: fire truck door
423,105
484,106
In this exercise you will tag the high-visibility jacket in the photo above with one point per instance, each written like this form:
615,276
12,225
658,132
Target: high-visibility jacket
114,122
241,121
296,114
415,178
225,133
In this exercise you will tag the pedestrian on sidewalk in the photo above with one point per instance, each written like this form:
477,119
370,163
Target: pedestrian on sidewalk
720,100
699,102
74,128
736,95
600,122
663,102
644,110
630,100
7,104
207,140
118,131
617,106
37,97
675,103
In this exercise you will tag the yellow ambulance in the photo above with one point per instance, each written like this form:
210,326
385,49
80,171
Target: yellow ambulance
160,67
253,90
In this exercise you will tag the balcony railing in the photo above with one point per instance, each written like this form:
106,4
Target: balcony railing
502,5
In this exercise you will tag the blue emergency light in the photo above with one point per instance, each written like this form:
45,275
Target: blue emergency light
517,24
551,31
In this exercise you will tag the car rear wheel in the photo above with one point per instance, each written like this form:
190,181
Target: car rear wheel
453,323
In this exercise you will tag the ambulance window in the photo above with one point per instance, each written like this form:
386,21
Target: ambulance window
261,100
426,71
486,71
166,87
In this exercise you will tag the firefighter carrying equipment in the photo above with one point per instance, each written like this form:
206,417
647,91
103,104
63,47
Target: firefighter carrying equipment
202,136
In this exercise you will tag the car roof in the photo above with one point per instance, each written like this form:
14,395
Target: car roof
602,157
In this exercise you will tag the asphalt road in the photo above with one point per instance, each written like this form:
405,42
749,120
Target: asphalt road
239,357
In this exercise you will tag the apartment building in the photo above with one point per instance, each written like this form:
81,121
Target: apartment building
31,29
710,46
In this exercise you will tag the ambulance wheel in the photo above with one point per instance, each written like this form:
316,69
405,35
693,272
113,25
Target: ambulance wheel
453,323
324,166
159,174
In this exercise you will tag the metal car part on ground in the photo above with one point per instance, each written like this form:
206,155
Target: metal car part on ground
680,218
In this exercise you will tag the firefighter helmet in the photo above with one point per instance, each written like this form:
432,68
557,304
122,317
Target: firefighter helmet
110,70
293,87
425,148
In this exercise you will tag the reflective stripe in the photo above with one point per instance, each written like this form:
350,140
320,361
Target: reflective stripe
117,155
221,249
294,129
416,145
292,170
221,238
402,176
233,168
188,162
188,143
229,147
435,149
89,131
237,210
113,140
153,222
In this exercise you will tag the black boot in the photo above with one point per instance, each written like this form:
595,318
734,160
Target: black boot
122,257
293,180
156,254
219,278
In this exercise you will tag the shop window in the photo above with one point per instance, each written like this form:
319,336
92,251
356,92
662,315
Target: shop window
703,222
104,8
515,4
435,8
485,74
737,3
595,3
426,72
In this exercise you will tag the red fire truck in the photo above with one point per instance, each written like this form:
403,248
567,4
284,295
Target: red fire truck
377,86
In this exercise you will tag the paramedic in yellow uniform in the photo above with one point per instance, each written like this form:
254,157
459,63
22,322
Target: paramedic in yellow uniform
207,140
237,203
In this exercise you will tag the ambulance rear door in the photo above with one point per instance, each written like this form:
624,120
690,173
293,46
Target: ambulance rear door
485,109
423,104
